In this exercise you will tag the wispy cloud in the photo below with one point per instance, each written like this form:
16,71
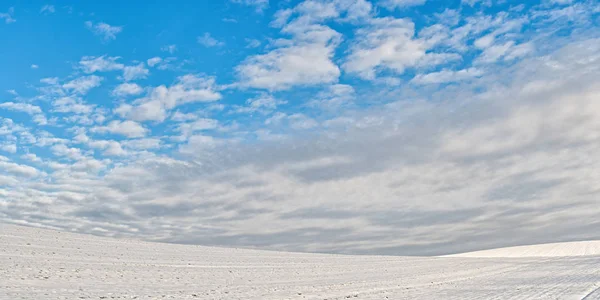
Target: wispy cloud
106,31
208,41
8,16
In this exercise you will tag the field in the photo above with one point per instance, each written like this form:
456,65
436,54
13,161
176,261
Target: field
47,264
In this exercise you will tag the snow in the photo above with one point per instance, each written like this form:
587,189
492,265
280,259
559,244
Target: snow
582,248
46,264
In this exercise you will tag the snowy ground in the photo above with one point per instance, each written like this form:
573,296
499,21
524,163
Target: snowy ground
44,264
584,248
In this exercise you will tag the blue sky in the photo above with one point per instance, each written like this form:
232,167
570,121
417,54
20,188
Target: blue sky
354,126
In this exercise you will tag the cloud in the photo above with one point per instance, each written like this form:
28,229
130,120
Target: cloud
49,80
8,147
394,4
154,107
47,9
252,43
135,72
208,41
333,97
169,48
20,170
8,16
83,84
71,105
200,124
153,61
34,66
127,89
306,58
23,107
91,64
318,159
259,5
445,76
263,103
126,128
106,31
387,43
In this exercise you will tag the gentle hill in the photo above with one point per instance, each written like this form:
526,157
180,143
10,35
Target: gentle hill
582,248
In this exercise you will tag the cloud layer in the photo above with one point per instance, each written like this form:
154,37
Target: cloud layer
351,130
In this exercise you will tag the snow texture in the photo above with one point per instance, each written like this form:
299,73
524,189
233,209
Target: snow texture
47,264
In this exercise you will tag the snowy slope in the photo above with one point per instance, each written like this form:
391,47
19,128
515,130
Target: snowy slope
542,250
45,264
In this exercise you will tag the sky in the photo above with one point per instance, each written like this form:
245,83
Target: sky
395,127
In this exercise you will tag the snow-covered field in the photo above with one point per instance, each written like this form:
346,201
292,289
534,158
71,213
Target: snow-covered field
543,250
45,264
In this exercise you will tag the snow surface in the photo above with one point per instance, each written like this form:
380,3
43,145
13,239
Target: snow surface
46,264
542,250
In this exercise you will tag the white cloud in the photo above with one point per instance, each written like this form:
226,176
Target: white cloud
306,58
394,4
263,103
252,43
49,80
181,117
135,72
110,148
71,105
31,157
334,96
8,16
18,169
153,61
445,76
126,128
169,48
83,84
23,107
8,147
201,124
47,9
91,64
127,89
259,5
188,88
208,41
34,66
142,144
106,31
387,43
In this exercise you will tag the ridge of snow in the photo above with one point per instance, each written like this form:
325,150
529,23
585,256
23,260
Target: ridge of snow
580,248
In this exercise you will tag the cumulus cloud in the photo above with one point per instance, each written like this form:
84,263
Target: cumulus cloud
91,64
263,103
23,107
126,128
153,61
306,58
138,71
106,31
388,43
208,41
83,84
161,99
127,89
